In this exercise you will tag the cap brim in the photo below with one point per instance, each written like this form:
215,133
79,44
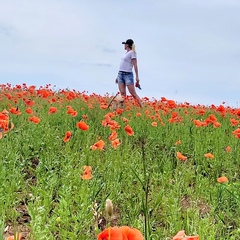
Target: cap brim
123,42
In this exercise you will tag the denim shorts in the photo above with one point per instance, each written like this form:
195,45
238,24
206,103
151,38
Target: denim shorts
125,78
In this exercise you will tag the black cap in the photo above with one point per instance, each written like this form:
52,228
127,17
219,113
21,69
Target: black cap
129,42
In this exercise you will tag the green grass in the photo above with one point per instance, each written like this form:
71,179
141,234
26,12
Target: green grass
44,197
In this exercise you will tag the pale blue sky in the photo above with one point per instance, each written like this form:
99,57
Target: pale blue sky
188,50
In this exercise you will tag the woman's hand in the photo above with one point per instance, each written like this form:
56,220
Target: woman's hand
137,85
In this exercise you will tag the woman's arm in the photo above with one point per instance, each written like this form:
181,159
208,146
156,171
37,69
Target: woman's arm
134,61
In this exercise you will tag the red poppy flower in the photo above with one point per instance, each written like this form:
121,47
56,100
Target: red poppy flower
208,155
67,137
222,179
154,124
120,233
113,135
82,125
132,233
71,111
182,236
178,142
171,104
129,130
84,116
15,111
236,133
29,102
216,124
112,233
108,122
234,122
52,110
181,156
104,106
17,236
227,149
34,119
115,143
98,145
87,173
4,120
125,120
29,110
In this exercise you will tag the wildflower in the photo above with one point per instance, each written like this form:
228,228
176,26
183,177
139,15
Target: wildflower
222,110
175,118
182,236
108,122
227,149
211,119
198,123
98,145
132,233
121,233
119,111
125,120
90,106
84,116
29,110
67,137
34,119
82,125
201,112
154,124
29,102
87,173
15,111
4,121
216,124
5,112
115,143
52,110
171,104
181,156
70,95
113,135
236,133
104,106
112,233
178,142
71,111
16,236
129,130
234,122
222,179
208,155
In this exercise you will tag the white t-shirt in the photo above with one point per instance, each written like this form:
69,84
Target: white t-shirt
126,61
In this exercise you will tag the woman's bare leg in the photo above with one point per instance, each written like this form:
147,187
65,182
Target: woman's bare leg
122,89
132,91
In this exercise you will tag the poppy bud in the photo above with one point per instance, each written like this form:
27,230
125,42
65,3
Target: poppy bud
109,207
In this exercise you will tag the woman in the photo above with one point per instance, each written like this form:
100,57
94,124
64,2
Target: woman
125,74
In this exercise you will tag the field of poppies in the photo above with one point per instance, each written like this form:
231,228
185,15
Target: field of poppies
73,168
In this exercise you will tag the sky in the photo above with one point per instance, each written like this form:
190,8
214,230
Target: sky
187,50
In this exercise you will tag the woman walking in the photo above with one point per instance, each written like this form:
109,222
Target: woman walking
125,74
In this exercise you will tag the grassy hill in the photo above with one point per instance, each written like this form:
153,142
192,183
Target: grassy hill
166,167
